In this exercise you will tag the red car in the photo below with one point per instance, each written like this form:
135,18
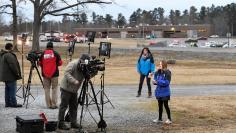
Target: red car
69,38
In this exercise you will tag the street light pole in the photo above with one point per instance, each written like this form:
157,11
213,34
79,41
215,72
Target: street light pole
228,36
232,30
143,31
228,41
26,28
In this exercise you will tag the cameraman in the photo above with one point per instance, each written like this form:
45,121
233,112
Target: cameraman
49,62
70,84
9,73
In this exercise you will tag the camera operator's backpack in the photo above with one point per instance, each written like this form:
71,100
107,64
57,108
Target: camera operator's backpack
49,64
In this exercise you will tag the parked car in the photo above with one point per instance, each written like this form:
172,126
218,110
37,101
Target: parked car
214,44
193,44
176,43
214,36
210,44
53,39
81,39
226,45
69,37
8,38
202,38
42,38
190,40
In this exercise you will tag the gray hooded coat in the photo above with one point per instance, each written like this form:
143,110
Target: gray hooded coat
9,66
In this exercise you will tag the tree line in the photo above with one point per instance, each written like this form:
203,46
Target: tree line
223,18
42,8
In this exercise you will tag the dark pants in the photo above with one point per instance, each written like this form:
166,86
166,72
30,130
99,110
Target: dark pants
68,99
160,104
10,93
148,80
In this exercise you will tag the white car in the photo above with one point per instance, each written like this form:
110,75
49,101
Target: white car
226,45
214,36
174,45
8,38
42,38
210,44
81,39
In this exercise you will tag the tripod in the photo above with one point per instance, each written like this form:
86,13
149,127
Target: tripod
23,87
81,100
102,91
89,48
27,92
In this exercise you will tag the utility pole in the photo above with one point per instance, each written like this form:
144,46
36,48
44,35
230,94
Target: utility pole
232,29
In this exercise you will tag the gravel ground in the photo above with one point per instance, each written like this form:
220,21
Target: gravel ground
124,116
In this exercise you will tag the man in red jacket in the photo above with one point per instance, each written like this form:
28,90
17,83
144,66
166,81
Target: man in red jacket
49,62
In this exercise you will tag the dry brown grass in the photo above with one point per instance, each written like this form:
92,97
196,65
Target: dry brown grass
196,114
183,73
122,70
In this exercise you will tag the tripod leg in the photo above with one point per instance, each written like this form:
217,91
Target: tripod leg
89,48
92,100
22,90
27,93
28,84
27,101
83,93
39,76
108,100
103,91
87,101
102,124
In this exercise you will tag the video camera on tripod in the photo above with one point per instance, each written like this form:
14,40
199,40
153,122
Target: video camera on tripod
91,67
33,56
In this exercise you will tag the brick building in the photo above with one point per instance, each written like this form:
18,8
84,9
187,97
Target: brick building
165,31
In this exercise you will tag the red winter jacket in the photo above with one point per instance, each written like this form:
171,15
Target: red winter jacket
49,62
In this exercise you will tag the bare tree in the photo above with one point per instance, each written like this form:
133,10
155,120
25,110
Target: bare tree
1,20
4,10
49,7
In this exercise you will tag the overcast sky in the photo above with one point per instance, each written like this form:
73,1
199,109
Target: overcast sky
127,7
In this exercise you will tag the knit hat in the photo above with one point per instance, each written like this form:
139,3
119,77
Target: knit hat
49,45
84,57
8,46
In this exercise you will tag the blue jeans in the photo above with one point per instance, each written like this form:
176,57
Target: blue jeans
10,93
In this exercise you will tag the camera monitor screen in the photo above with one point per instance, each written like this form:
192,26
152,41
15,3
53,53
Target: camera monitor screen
91,35
105,49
